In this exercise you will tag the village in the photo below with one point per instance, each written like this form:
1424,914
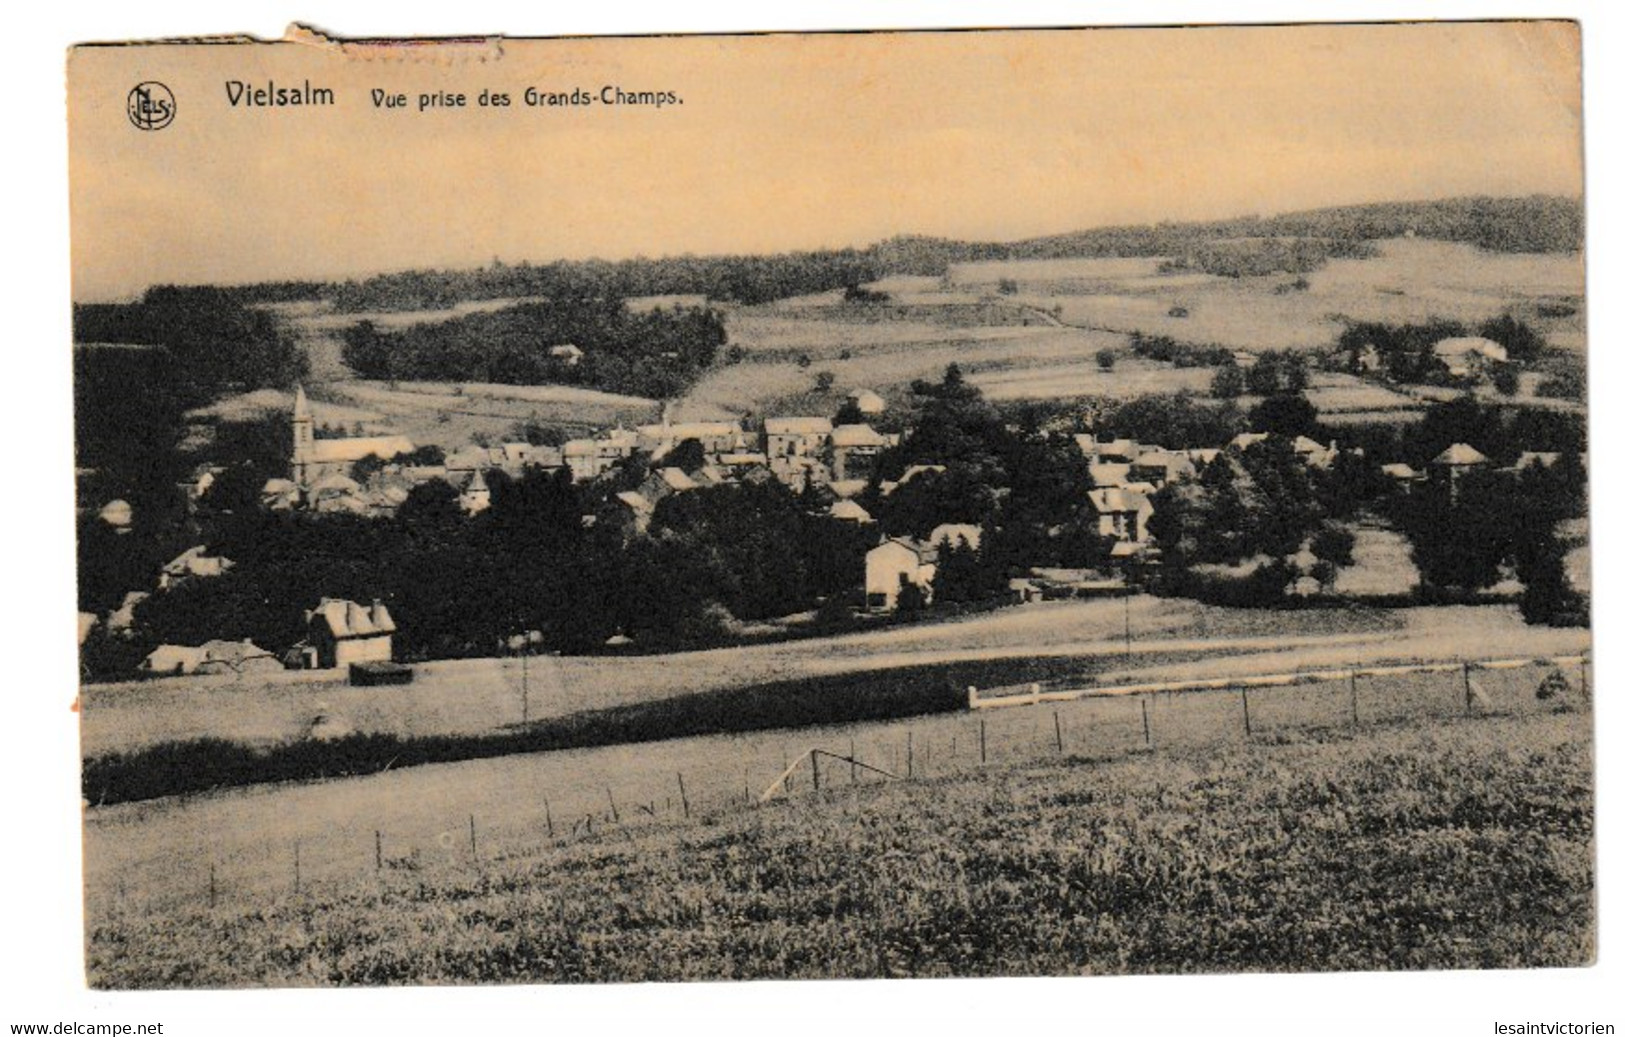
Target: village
829,464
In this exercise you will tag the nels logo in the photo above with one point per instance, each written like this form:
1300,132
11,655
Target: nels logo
150,106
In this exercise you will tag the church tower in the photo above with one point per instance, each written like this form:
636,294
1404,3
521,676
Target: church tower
304,439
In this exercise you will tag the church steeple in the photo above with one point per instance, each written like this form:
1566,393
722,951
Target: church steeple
304,438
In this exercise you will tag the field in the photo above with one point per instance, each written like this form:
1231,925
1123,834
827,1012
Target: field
1439,843
1409,281
483,695
1014,347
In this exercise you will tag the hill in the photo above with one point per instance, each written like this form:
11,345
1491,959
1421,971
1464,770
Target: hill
1457,844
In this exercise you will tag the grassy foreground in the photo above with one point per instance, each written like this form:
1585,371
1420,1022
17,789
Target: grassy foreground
1457,844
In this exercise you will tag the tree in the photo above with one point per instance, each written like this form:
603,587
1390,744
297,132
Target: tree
823,382
689,455
1229,381
1106,359
1285,414
1505,379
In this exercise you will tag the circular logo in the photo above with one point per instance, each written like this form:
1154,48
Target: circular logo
150,106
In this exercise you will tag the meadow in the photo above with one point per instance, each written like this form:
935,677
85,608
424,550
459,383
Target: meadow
1441,842
473,696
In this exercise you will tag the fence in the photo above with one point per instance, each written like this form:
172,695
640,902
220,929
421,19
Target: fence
247,848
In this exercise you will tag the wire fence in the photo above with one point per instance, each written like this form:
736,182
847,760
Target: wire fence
246,848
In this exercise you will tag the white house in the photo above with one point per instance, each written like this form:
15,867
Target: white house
1122,514
796,437
896,563
342,632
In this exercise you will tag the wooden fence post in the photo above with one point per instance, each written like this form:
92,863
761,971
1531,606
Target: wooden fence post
473,842
1467,688
1246,714
984,740
211,884
1354,696
613,811
852,755
815,770
1145,720
1059,747
683,792
547,808
910,771
377,849
296,865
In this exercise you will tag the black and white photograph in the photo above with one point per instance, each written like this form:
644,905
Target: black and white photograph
1065,501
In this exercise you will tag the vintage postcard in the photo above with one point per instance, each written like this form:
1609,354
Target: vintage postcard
834,505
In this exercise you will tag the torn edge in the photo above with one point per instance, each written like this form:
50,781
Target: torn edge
431,50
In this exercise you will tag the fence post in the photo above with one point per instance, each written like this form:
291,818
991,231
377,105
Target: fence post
984,740
377,849
910,771
211,884
815,770
1145,720
1585,691
613,811
473,843
852,756
1246,714
1354,696
683,792
1467,688
296,865
547,808
1059,747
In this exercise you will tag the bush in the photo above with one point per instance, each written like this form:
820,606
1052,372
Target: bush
1106,359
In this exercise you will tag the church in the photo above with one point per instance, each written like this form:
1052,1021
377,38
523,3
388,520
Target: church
321,467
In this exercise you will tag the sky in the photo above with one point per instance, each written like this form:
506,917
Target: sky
791,142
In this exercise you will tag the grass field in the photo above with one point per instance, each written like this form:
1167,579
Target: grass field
482,695
1444,843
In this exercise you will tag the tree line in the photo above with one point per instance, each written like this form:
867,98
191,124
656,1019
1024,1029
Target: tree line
657,353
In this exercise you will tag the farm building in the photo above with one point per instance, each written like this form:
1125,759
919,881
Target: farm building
341,632
897,562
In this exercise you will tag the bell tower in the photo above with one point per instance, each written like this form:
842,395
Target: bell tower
304,439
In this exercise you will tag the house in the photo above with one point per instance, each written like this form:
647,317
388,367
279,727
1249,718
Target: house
1314,454
867,403
118,514
637,510
896,563
211,657
341,632
1161,467
173,659
1455,461
715,437
912,472
850,511
795,437
854,448
1109,473
1246,440
237,657
568,353
193,562
1122,514
1024,590
1403,474
476,496
1469,356
1119,450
